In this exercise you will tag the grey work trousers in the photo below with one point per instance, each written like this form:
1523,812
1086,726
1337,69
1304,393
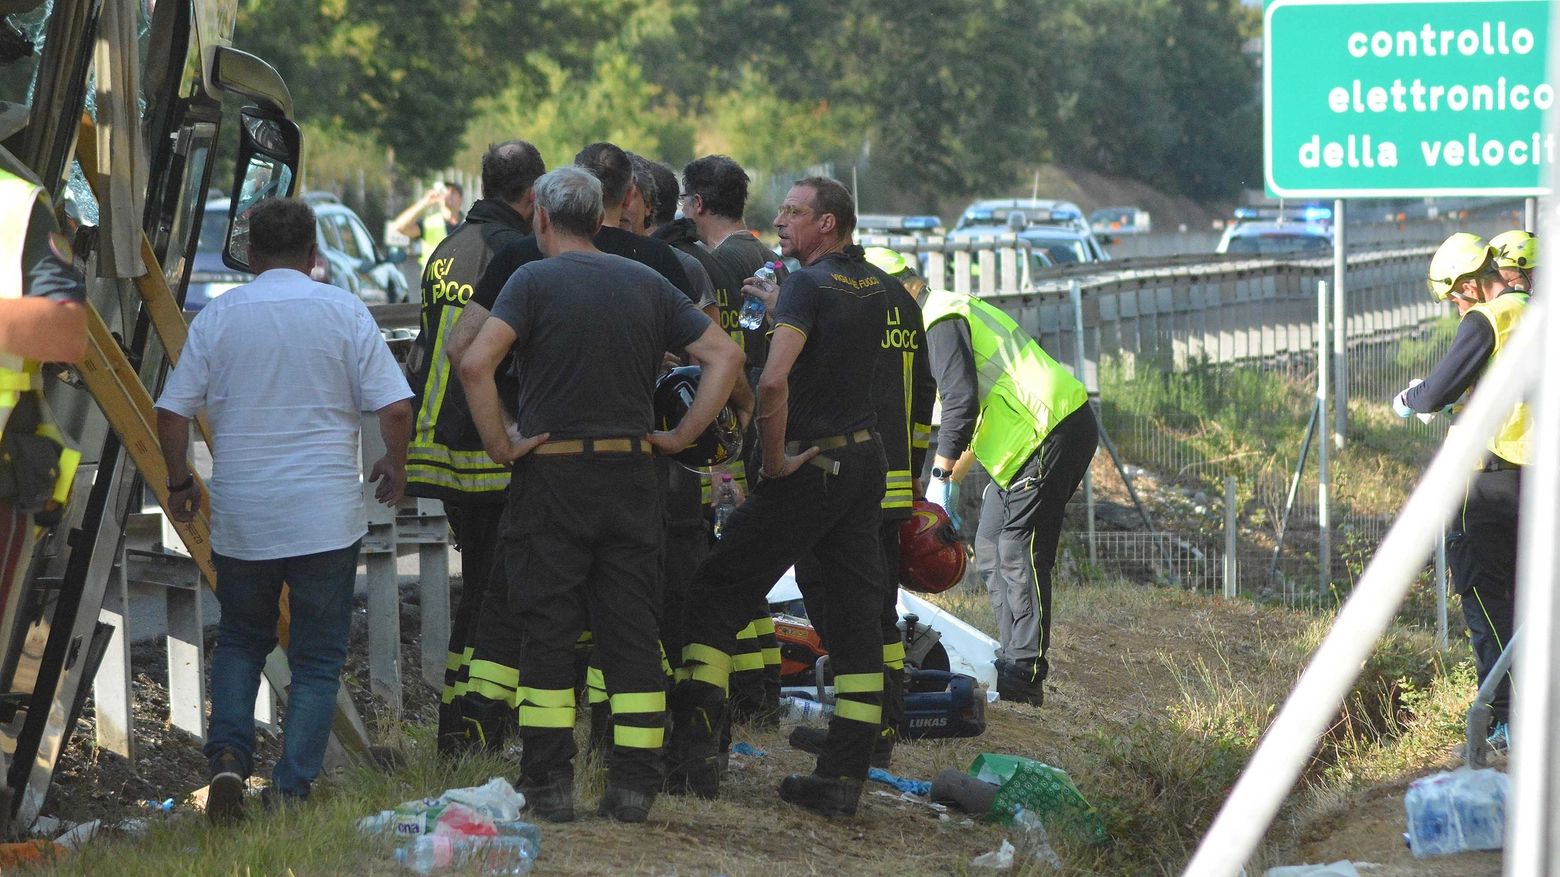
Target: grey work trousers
1015,544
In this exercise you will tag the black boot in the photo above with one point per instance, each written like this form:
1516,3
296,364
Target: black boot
693,755
1018,683
552,800
829,797
624,805
487,724
747,695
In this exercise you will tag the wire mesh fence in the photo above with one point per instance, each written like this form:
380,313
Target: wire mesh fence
1204,372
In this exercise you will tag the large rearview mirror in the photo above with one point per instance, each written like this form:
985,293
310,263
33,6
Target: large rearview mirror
267,167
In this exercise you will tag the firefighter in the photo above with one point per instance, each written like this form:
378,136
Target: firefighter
1008,404
1482,543
496,656
43,318
1516,255
715,192
820,489
903,394
445,460
589,331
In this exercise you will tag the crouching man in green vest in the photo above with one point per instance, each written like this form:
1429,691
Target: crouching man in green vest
1011,406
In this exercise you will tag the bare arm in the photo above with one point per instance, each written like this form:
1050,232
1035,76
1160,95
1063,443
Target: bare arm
722,361
409,222
44,330
173,434
395,427
472,317
774,396
476,368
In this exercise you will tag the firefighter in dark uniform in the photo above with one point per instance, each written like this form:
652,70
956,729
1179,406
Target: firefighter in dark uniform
495,661
445,460
589,331
904,395
688,539
1481,546
715,191
820,490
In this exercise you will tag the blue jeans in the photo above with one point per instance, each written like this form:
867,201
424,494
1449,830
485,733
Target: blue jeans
320,602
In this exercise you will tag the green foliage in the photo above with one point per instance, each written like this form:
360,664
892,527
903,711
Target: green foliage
411,74
927,101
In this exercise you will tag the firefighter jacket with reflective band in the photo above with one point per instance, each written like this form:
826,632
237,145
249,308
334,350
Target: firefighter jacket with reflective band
1024,393
35,465
445,459
1510,442
904,394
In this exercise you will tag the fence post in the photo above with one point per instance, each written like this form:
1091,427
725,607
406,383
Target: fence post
1231,567
1340,324
1324,524
1075,292
1440,590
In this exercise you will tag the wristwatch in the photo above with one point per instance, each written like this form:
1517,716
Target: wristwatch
941,474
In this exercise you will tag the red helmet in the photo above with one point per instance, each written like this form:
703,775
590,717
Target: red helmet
931,557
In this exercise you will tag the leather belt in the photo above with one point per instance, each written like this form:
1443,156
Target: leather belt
832,443
590,447
1498,464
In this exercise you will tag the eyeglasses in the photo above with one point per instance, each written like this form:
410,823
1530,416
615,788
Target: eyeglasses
791,211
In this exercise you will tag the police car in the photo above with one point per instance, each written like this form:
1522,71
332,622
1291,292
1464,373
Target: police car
1278,231
892,224
1055,230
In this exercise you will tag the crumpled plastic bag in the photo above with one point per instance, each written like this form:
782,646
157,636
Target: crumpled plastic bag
1000,859
496,799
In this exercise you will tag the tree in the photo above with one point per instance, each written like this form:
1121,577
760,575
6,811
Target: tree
412,73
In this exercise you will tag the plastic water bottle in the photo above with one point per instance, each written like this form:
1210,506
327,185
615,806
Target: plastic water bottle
433,853
1457,811
804,710
725,500
1034,841
752,315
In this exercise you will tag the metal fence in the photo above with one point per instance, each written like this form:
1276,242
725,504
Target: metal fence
1208,369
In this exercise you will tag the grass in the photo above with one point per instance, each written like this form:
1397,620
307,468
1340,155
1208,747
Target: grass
1156,700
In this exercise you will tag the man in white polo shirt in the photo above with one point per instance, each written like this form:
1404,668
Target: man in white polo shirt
283,366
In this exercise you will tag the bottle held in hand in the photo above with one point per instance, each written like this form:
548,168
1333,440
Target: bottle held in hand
752,315
725,503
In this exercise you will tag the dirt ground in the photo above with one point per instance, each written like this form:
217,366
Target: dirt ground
1369,827
1119,659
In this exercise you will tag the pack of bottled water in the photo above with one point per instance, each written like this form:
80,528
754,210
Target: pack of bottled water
1456,811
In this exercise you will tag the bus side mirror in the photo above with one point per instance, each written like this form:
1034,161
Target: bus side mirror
267,167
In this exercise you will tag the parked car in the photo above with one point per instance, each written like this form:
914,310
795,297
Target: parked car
1117,221
350,258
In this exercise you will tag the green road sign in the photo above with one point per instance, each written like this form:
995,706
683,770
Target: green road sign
1406,98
